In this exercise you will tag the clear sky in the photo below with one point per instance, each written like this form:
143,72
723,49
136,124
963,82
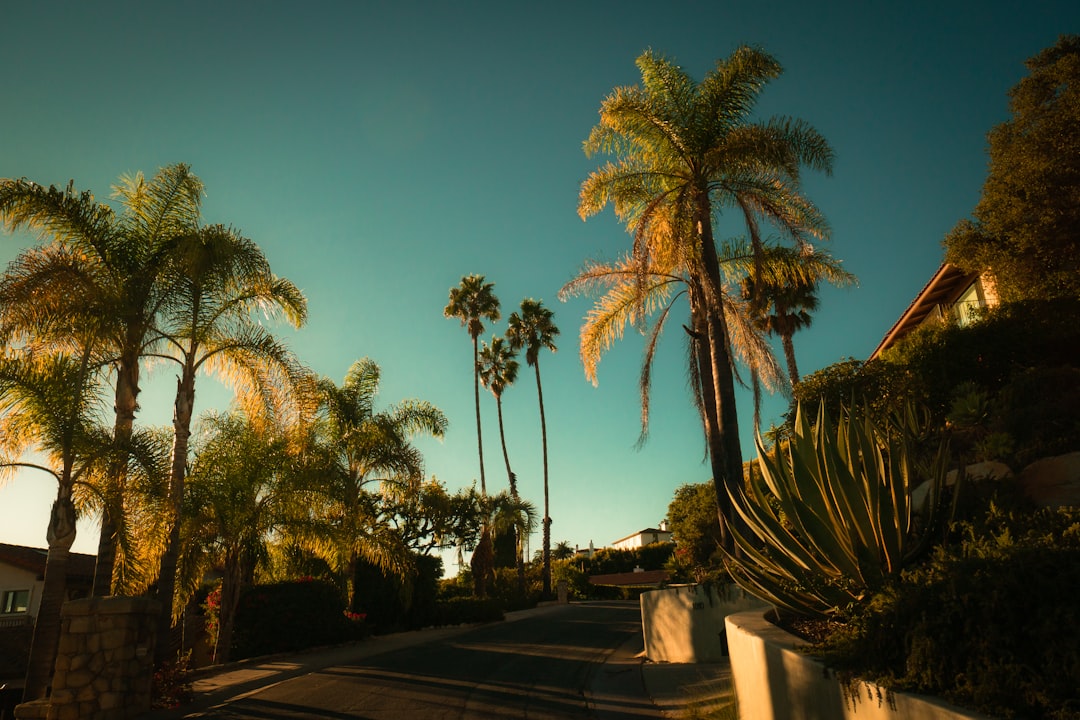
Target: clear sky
379,151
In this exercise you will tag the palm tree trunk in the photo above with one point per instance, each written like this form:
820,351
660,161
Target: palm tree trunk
479,428
789,355
547,516
126,401
518,544
46,639
230,598
183,409
708,404
730,475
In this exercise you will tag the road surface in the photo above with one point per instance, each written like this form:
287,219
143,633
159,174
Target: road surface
573,661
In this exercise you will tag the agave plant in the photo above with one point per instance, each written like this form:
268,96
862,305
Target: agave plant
832,519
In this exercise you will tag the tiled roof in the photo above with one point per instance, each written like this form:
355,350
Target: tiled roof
943,288
33,560
647,578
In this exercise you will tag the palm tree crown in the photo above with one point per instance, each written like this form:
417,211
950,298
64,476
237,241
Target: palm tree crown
686,151
533,330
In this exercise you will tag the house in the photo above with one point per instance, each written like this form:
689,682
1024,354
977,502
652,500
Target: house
22,579
641,538
951,295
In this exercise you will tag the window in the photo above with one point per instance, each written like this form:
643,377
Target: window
15,601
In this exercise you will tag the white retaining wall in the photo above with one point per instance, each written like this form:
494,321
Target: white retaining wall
774,681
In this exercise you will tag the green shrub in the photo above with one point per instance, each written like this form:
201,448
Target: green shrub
391,605
290,616
457,611
990,622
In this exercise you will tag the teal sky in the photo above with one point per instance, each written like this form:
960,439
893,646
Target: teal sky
380,151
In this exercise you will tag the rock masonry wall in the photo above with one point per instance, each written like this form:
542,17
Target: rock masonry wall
105,662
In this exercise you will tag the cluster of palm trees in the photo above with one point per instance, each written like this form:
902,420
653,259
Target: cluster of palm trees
313,466
495,366
684,153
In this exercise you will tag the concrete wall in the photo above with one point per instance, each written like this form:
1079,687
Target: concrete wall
774,681
685,624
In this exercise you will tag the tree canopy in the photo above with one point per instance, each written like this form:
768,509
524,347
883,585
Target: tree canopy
1025,229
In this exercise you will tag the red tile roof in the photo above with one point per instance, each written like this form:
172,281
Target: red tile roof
33,560
646,578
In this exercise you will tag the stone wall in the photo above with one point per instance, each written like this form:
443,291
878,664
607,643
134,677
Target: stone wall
105,663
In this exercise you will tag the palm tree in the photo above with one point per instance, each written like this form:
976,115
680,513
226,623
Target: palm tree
102,267
473,302
685,151
785,301
533,330
630,295
363,447
48,404
562,551
245,486
498,370
219,278
783,296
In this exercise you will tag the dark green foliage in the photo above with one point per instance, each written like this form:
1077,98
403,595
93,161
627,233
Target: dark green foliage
388,604
990,622
696,529
459,610
505,546
1039,411
290,616
1007,384
607,561
1026,228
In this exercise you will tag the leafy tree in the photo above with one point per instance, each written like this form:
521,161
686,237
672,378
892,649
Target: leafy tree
686,151
695,527
102,270
533,330
1026,226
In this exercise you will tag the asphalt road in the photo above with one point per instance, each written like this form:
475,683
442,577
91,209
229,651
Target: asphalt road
572,661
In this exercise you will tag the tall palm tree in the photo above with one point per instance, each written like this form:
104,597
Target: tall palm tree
782,297
219,280
629,295
48,404
498,370
473,302
533,330
785,301
102,266
685,152
365,448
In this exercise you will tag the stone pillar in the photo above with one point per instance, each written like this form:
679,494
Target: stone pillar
563,592
105,663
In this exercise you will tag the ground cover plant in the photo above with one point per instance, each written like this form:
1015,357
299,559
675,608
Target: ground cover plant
990,621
